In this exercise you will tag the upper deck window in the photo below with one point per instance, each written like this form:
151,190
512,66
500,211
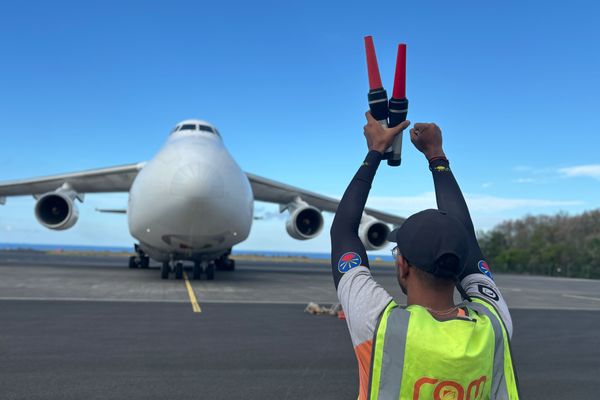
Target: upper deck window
188,126
206,128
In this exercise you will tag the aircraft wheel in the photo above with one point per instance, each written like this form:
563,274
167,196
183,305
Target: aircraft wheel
178,270
197,271
164,270
145,262
210,272
132,262
225,264
229,265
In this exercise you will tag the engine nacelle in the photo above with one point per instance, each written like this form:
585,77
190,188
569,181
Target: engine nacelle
305,221
373,233
57,210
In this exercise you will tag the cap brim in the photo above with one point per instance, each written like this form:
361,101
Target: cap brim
393,235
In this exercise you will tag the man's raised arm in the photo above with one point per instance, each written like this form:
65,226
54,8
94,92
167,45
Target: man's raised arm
476,278
347,250
427,138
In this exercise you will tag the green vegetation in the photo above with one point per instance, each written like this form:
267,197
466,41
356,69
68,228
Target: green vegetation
559,245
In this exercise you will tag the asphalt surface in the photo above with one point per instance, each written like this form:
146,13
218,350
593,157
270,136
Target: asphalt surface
90,328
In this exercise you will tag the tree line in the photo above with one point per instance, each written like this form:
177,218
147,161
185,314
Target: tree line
557,245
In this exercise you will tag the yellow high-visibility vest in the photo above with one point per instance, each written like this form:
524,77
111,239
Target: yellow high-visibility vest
416,357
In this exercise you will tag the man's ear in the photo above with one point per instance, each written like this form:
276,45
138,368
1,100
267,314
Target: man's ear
403,267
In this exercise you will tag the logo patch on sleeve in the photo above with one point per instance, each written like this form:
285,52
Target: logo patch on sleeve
488,292
485,269
348,261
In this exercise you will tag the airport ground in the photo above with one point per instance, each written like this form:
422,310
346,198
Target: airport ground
74,327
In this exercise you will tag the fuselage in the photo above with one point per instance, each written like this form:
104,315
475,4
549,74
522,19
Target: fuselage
191,201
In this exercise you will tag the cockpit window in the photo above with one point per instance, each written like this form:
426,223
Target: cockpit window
194,127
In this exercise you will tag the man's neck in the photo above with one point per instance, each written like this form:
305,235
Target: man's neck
434,301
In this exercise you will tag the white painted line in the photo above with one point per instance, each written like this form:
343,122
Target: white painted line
573,296
88,299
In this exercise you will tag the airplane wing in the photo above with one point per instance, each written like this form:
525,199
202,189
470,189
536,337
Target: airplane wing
276,192
111,179
112,210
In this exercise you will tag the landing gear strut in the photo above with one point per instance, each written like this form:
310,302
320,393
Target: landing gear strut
178,270
224,263
165,269
141,260
198,267
210,271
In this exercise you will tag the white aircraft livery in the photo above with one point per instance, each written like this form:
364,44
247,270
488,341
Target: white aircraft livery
191,202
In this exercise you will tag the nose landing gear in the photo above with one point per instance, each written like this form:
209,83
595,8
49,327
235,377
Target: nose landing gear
200,268
204,266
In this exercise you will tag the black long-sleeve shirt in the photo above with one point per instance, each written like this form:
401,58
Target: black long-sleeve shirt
345,242
344,231
450,199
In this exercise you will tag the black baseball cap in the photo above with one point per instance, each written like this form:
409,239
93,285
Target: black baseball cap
428,235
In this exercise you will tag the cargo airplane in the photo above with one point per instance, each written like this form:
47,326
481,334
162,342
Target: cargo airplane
191,202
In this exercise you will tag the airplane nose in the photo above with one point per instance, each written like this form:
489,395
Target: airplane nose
198,180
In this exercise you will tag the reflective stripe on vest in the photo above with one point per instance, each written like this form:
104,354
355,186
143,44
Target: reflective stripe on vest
499,390
391,363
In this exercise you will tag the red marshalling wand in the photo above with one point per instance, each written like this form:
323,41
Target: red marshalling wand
397,107
378,100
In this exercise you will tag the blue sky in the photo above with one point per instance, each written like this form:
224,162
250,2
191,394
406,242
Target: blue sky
513,85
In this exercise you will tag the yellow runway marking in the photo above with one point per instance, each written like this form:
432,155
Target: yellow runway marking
188,285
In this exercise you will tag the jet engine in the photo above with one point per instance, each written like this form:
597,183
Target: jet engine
373,233
57,210
305,221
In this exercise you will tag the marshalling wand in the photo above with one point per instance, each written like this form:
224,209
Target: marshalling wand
396,108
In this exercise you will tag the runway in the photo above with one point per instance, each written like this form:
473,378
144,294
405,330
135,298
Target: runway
76,327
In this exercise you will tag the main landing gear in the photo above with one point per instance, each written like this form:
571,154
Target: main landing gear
200,268
141,260
224,263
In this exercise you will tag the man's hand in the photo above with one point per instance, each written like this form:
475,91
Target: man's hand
427,138
378,137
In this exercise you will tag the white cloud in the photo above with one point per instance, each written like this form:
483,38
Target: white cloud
492,204
525,180
486,211
477,203
403,205
589,170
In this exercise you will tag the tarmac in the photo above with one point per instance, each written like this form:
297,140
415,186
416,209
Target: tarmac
88,327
